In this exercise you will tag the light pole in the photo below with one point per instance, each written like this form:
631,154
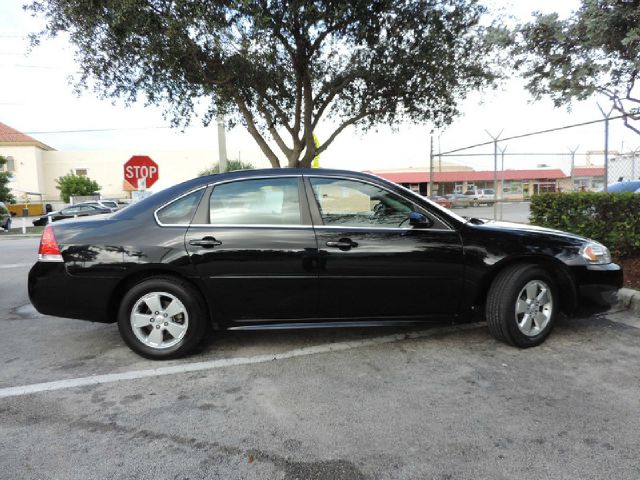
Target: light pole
495,169
606,116
573,165
430,192
502,150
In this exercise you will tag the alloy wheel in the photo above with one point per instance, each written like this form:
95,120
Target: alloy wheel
159,320
534,308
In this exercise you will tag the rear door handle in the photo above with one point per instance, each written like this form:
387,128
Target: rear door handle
343,244
206,242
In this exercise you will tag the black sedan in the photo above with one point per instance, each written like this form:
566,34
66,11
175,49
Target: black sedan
80,210
288,248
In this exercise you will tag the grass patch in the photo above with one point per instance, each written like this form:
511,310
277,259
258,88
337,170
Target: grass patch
18,231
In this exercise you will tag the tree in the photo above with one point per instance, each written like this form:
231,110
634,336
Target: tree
5,177
594,51
279,67
232,166
72,184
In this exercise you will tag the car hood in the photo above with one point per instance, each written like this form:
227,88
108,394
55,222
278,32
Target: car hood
526,228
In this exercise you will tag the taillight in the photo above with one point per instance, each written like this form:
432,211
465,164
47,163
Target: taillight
49,250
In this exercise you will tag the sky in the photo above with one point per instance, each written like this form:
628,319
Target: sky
36,96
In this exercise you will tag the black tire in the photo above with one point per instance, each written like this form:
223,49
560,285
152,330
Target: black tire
198,319
475,204
501,304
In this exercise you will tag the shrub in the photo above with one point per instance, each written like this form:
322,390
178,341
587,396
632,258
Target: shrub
610,218
72,184
232,166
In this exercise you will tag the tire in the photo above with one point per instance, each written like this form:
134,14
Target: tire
475,204
509,302
162,318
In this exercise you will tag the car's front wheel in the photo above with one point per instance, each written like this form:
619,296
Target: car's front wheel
162,318
522,305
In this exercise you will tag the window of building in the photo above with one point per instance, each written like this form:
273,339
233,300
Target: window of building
81,172
10,166
265,201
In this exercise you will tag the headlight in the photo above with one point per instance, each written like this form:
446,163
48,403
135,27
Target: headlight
595,253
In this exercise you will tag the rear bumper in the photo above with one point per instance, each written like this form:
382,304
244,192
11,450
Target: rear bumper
598,286
53,291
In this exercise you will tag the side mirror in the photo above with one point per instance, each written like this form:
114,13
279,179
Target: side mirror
419,220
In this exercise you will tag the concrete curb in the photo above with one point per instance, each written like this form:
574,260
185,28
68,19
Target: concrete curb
629,299
19,236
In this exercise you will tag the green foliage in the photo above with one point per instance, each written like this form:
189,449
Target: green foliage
5,193
232,166
595,51
280,67
610,218
3,212
72,184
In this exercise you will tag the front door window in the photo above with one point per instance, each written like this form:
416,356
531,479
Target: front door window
350,203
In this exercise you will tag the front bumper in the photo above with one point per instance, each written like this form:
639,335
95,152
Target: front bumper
598,285
53,291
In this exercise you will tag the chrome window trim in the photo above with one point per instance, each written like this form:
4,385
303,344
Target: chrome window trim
213,184
395,229
383,187
295,226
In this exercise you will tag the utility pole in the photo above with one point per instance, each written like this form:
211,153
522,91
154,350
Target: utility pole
430,192
495,170
222,145
573,165
606,116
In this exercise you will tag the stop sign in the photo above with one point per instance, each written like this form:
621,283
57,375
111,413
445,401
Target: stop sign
141,167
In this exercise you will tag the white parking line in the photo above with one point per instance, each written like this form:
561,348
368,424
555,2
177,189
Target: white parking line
15,265
225,362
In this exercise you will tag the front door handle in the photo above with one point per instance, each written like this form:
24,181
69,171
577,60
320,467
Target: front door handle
206,242
343,244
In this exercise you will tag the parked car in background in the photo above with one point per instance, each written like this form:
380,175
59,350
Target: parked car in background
110,204
458,200
5,217
632,186
477,197
442,201
71,212
299,248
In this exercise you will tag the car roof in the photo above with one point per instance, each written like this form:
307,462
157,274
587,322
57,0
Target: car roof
629,186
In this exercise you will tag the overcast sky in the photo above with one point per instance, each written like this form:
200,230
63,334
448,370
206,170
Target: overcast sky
35,96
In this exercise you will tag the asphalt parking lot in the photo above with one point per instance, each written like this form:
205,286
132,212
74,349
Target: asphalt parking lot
443,402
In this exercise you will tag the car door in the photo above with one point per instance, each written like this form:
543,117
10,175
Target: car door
373,264
256,251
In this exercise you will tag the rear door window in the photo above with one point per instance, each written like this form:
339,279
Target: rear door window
263,201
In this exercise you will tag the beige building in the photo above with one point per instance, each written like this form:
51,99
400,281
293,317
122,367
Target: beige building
35,166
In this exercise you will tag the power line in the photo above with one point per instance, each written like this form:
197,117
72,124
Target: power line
94,130
531,134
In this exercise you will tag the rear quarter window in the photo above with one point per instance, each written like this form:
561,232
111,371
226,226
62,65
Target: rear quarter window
181,210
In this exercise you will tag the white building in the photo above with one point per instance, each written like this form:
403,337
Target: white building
35,166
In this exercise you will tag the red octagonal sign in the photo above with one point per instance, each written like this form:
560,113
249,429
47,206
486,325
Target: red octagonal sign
138,168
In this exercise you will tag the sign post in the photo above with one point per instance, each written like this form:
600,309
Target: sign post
141,171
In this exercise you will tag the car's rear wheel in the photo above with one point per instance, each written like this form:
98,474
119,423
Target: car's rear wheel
162,318
522,305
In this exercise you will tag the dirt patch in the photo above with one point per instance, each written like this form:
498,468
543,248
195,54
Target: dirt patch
631,267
